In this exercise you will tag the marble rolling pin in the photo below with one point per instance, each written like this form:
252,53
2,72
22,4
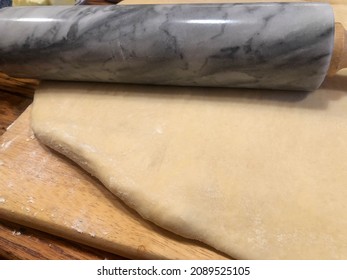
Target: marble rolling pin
260,45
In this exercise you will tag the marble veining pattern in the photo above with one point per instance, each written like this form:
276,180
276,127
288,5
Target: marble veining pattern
264,45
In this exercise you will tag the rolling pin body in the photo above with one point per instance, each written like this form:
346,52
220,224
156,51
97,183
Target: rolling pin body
265,45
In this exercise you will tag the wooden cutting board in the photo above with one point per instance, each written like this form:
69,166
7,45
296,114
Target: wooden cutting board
44,190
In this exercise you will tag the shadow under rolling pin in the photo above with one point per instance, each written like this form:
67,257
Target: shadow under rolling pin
286,46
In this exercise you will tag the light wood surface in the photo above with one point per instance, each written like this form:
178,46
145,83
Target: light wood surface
44,190
339,57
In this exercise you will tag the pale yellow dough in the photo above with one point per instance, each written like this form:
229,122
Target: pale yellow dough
255,174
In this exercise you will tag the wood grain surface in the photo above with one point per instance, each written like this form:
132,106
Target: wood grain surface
19,242
11,106
24,87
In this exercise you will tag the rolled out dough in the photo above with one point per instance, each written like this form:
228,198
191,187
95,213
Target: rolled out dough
255,174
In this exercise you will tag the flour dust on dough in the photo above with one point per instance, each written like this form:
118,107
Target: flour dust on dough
257,175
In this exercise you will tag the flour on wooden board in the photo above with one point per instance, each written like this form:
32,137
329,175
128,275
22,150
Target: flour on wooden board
16,232
4,146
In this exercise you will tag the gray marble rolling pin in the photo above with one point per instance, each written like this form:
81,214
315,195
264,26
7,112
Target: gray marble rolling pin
260,45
